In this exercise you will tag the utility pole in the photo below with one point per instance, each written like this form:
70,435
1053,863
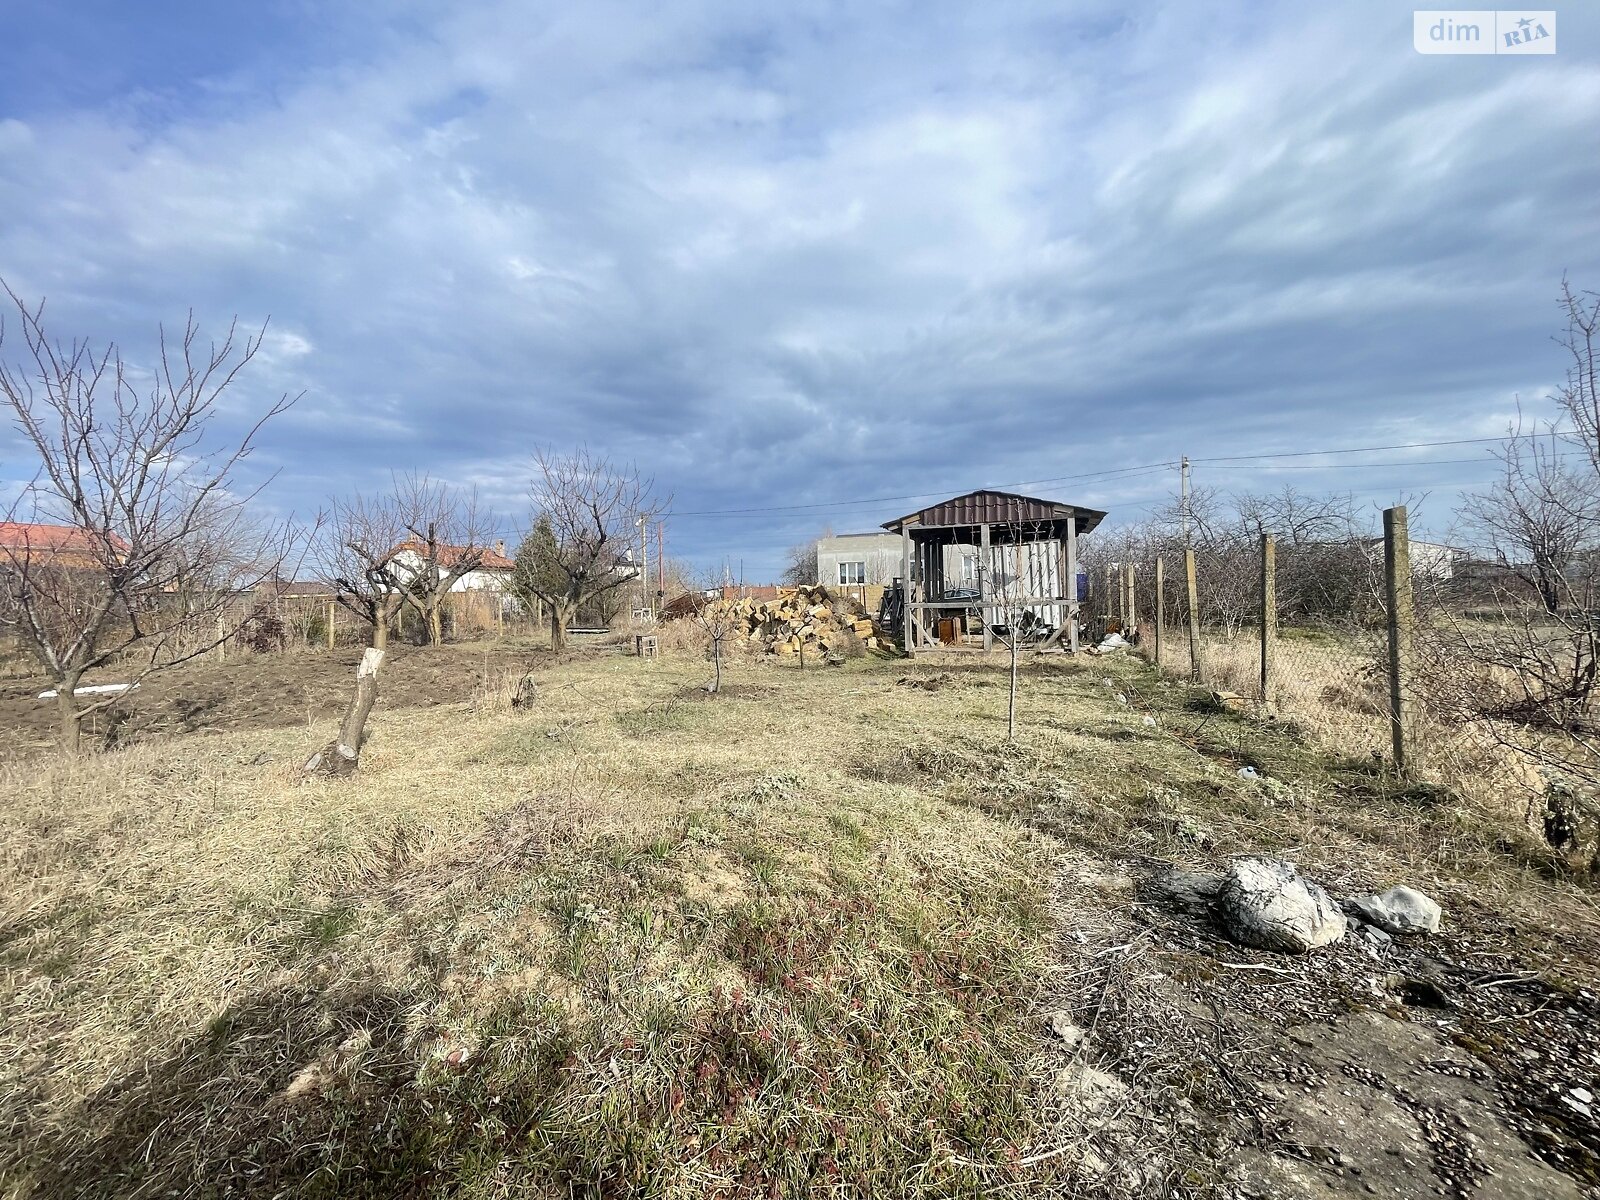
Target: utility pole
644,568
661,559
1183,507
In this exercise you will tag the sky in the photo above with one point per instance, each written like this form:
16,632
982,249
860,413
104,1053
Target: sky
802,263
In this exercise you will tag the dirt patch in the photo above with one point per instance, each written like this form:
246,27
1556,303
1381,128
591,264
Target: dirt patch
1434,1067
728,691
264,691
716,880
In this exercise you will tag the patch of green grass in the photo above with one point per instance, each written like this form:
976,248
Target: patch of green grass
327,926
653,721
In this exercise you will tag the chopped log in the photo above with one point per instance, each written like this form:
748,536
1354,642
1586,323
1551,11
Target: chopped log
340,757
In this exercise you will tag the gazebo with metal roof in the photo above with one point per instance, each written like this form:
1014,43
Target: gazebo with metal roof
994,554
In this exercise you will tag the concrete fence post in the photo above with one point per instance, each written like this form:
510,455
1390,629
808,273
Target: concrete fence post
1402,628
1269,611
1192,585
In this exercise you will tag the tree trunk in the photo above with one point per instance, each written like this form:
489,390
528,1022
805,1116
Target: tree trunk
69,728
436,623
1011,707
716,661
560,615
341,756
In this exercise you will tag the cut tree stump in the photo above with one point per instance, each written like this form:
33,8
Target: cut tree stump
528,691
340,757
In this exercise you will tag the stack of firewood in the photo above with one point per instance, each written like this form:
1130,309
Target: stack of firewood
805,620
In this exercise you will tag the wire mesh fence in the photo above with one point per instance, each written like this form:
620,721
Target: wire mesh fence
1297,632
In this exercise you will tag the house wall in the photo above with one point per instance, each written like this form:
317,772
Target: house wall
1431,559
880,552
410,562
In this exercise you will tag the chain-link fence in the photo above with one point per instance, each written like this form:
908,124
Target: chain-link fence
1298,632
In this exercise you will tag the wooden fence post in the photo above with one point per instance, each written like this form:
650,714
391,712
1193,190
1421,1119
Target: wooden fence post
1269,609
1161,623
1190,582
1074,601
908,641
331,608
1402,625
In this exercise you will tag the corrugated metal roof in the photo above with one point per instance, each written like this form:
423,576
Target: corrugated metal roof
996,508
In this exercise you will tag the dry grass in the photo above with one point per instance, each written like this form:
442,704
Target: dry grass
783,942
1333,691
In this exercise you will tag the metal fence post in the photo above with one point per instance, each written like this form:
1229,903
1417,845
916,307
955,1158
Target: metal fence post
1402,625
1269,610
1194,615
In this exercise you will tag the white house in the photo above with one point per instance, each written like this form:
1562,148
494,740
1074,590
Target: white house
1432,560
858,558
493,574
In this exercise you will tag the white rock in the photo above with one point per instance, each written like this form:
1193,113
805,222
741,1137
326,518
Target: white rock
1265,903
1066,1029
1400,910
1092,1093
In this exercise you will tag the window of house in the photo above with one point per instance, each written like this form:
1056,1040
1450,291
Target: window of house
969,568
852,572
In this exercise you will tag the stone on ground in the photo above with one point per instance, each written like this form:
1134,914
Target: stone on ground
1400,910
1264,903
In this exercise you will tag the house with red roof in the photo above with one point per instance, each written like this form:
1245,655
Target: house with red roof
56,545
493,574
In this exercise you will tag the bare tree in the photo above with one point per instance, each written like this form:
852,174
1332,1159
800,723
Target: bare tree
1579,396
152,543
580,547
800,563
1530,675
449,538
1014,579
354,554
1539,517
717,619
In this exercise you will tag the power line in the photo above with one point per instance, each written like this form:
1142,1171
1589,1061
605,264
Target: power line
1128,474
1359,449
775,508
1113,473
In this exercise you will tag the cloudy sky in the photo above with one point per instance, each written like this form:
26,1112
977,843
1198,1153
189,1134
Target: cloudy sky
803,260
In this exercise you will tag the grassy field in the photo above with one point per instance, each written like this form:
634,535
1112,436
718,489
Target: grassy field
796,939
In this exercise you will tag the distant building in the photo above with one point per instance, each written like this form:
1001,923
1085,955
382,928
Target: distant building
492,574
849,559
55,545
1432,560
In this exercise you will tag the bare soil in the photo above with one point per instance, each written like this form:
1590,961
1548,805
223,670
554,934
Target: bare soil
263,691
